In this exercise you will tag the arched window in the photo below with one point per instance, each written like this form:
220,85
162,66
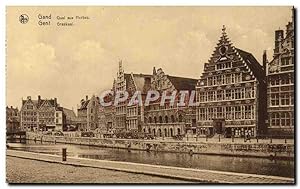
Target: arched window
178,131
172,118
150,119
149,131
180,118
159,132
154,132
166,119
160,119
166,133
171,132
155,120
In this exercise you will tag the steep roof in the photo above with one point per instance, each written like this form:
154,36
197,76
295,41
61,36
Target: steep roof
181,83
140,82
252,63
84,104
70,114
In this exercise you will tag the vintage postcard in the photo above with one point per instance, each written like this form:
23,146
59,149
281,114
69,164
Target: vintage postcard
102,94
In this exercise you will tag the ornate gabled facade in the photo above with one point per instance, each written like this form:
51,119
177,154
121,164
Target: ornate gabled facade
120,85
135,112
129,118
280,77
29,115
47,114
231,93
170,120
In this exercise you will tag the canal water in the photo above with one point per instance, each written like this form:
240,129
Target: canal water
261,166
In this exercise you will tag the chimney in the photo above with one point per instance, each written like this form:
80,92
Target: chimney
55,101
86,97
265,60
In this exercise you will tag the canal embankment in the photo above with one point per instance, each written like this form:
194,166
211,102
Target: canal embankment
248,149
184,174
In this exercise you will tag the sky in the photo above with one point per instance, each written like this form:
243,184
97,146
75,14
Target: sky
70,62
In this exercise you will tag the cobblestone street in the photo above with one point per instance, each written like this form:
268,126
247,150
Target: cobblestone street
30,171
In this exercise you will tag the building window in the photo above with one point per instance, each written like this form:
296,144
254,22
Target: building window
219,80
232,78
237,112
275,99
247,112
214,80
202,95
275,119
219,112
210,96
248,92
160,119
285,61
237,78
209,81
220,95
228,113
285,119
172,118
180,118
202,114
228,79
237,93
285,99
166,119
228,94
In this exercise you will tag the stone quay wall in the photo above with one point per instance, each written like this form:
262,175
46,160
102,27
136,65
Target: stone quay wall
277,151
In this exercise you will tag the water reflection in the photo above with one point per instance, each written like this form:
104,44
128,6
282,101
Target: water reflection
222,163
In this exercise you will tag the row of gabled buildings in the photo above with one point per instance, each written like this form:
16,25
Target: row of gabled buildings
237,95
40,115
